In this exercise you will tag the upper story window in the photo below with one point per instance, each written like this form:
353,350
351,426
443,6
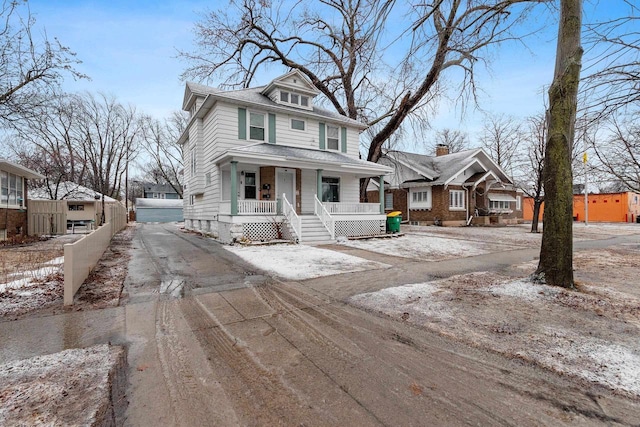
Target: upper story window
294,98
333,140
193,161
256,126
297,124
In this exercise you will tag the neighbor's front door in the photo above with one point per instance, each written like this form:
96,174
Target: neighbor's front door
286,183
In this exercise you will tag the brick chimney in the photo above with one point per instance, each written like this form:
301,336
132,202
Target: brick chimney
442,150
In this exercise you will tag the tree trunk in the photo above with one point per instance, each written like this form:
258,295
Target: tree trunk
537,204
556,253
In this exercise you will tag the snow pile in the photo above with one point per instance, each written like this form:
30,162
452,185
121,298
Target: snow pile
424,247
300,262
416,299
524,289
72,387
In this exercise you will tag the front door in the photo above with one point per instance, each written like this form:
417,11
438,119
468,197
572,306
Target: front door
286,183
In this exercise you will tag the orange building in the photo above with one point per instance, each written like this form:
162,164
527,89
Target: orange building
608,207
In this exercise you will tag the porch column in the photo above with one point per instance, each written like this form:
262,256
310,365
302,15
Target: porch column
234,188
381,194
319,184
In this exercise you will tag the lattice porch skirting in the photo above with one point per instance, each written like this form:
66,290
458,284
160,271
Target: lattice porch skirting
360,228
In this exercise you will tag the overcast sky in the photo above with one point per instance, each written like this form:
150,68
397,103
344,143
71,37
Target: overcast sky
129,49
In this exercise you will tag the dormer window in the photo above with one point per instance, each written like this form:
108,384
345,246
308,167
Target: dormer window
291,98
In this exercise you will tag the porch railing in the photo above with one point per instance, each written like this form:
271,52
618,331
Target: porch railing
325,217
290,213
351,208
251,207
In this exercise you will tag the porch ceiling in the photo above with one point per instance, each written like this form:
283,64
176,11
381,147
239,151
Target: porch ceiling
302,158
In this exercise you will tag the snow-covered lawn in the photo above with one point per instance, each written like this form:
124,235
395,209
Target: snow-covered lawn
299,262
425,247
30,278
592,333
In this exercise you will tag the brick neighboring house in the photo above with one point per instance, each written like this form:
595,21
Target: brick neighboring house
448,189
13,198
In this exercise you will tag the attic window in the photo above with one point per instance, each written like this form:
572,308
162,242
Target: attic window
304,101
284,96
294,98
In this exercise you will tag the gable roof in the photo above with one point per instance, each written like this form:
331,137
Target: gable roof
68,190
440,170
283,81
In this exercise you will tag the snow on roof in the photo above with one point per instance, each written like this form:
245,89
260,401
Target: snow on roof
441,168
159,203
68,190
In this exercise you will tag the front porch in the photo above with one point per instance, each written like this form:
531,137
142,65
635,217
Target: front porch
271,192
259,220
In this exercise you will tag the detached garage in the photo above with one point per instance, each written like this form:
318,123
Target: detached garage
159,210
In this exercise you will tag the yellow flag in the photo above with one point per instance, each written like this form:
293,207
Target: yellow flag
584,157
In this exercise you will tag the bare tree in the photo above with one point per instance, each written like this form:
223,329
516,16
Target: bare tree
30,68
47,142
108,135
500,137
612,73
530,165
161,145
620,154
340,46
556,252
455,140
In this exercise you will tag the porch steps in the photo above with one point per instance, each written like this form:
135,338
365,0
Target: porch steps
313,232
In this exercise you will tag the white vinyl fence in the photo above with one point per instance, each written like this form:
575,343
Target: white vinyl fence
82,256
46,217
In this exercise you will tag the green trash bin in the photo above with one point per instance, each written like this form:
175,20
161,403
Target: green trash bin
393,221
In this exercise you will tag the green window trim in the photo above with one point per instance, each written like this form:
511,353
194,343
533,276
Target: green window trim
343,140
272,128
242,123
321,137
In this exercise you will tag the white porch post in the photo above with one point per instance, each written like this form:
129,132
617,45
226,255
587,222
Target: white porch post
319,184
234,188
381,194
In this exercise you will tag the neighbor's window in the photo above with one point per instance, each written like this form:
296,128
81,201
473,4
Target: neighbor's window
11,189
207,178
332,138
456,200
297,124
256,126
420,198
499,205
519,203
76,207
330,189
388,201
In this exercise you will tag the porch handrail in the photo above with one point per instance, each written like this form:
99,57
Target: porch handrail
325,217
290,213
352,208
256,207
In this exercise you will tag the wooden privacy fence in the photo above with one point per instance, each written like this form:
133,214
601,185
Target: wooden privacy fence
46,217
82,256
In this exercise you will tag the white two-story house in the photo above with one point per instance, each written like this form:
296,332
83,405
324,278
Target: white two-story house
265,163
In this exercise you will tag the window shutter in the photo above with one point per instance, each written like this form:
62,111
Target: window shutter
321,137
272,128
343,140
242,123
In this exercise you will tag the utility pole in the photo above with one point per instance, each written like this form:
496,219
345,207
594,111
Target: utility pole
586,192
